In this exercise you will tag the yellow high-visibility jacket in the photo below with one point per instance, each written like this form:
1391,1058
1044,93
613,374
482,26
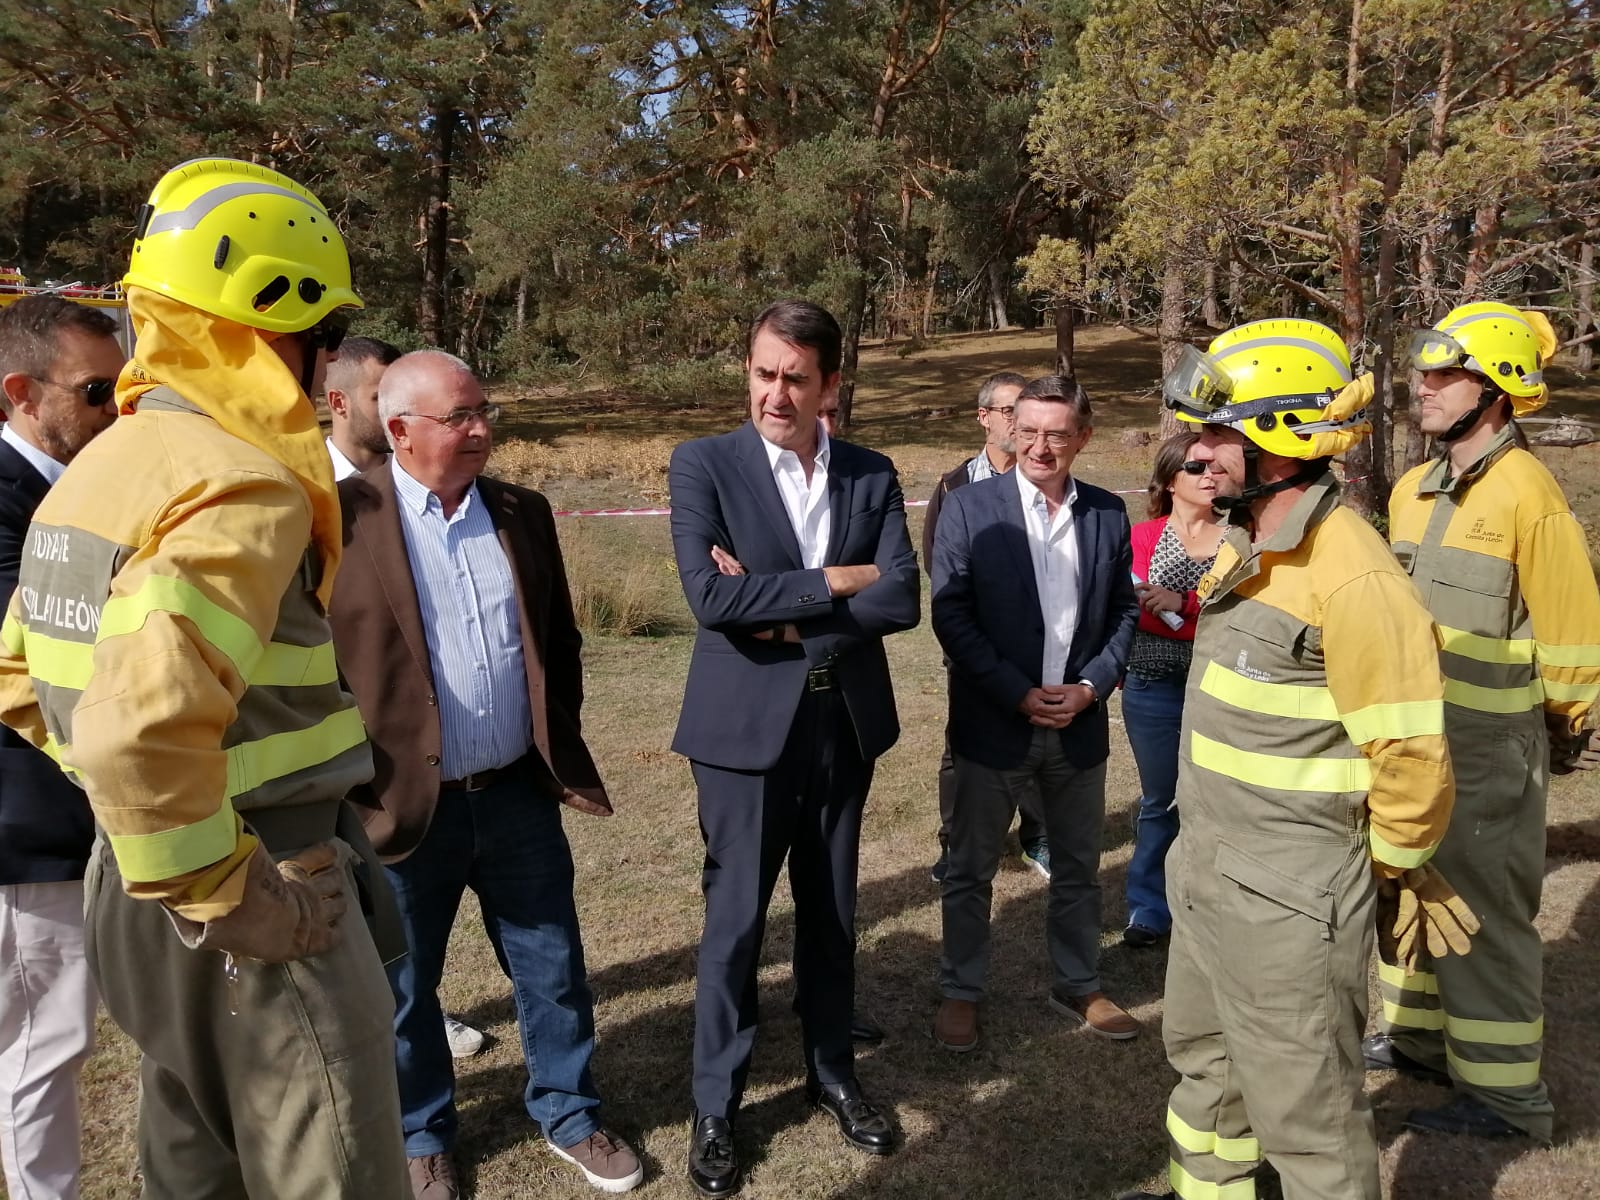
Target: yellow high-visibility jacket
1505,569
1315,704
165,645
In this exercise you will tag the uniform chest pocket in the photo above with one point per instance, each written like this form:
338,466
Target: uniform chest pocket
1473,593
1266,642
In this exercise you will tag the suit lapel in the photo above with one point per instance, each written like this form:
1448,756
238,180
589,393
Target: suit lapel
757,472
840,485
386,546
1087,531
1010,499
504,511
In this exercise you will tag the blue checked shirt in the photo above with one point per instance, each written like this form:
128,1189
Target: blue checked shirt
469,615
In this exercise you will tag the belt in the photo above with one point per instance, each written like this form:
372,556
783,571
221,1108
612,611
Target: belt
820,679
479,780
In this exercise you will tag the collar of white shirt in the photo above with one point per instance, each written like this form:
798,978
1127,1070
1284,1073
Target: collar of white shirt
1033,498
343,468
774,453
417,498
37,458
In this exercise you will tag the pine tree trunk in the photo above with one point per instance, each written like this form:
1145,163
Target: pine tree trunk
1584,359
1174,312
995,270
1066,320
436,227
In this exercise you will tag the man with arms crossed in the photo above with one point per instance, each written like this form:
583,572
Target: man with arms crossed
787,705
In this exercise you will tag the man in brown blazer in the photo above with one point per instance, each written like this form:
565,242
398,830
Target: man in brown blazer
454,629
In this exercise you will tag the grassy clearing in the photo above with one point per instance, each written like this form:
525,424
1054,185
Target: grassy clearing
1039,1110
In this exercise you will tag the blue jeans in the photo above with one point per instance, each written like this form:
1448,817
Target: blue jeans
1152,712
507,845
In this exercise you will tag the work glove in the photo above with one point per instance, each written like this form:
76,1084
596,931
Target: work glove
289,910
1571,751
1425,911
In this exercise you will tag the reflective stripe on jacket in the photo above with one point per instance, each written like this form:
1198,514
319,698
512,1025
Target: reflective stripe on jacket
1314,707
165,644
1503,564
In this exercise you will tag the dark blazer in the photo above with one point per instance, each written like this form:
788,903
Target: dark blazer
46,825
948,482
742,693
986,616
383,655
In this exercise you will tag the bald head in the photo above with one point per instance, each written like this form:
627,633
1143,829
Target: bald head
413,379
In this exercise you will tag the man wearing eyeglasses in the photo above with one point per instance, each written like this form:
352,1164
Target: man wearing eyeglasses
1034,605
58,368
167,643
455,630
997,402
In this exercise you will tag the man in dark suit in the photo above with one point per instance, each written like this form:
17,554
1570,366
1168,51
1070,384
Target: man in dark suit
1034,605
58,368
787,705
454,628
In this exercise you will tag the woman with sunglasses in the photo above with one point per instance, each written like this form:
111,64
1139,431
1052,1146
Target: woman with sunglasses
1171,551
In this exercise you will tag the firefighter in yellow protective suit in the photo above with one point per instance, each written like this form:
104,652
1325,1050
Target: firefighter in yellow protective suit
1312,767
167,644
1491,542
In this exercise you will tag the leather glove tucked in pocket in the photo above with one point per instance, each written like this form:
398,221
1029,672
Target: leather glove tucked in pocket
290,909
1428,912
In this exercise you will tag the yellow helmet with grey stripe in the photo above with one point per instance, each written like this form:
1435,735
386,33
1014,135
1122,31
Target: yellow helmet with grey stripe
242,242
1284,383
1509,348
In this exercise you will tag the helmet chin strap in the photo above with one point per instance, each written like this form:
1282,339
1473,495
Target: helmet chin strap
1238,507
308,364
1465,423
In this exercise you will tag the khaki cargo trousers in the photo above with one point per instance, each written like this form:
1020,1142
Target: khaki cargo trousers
1266,1004
278,1084
1481,1016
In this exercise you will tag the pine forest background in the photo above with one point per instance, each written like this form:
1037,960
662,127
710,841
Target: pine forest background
600,192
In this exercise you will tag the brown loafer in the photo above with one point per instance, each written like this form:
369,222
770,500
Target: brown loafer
1099,1012
433,1177
956,1025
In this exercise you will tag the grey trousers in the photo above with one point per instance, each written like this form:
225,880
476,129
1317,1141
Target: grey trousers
1073,801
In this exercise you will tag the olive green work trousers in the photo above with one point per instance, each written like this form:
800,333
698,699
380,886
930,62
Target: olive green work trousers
275,1083
1480,1016
1266,1004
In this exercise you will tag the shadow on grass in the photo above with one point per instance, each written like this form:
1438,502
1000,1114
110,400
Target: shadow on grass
897,985
1475,1167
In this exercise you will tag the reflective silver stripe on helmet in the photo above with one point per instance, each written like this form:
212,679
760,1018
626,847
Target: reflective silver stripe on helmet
202,206
1316,348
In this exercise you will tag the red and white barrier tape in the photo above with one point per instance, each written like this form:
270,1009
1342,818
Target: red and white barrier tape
662,512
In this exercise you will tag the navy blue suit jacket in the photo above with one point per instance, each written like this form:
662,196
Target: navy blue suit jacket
986,616
46,825
742,692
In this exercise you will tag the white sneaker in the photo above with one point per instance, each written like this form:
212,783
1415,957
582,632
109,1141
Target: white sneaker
465,1041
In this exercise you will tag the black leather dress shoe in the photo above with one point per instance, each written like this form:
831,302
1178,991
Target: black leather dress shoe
1381,1054
1464,1115
862,1125
713,1165
864,1029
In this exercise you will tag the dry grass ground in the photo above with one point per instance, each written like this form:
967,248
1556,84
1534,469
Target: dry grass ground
1039,1110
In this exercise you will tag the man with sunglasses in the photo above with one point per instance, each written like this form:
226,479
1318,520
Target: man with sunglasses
167,644
1486,533
58,368
1034,605
997,402
456,632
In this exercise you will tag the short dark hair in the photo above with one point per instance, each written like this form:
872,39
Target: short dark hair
995,382
353,353
29,330
1170,457
801,323
1056,389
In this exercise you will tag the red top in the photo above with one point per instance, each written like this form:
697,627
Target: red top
1145,536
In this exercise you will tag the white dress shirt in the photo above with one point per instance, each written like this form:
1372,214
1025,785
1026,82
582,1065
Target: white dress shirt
37,458
806,503
343,468
468,602
1053,545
